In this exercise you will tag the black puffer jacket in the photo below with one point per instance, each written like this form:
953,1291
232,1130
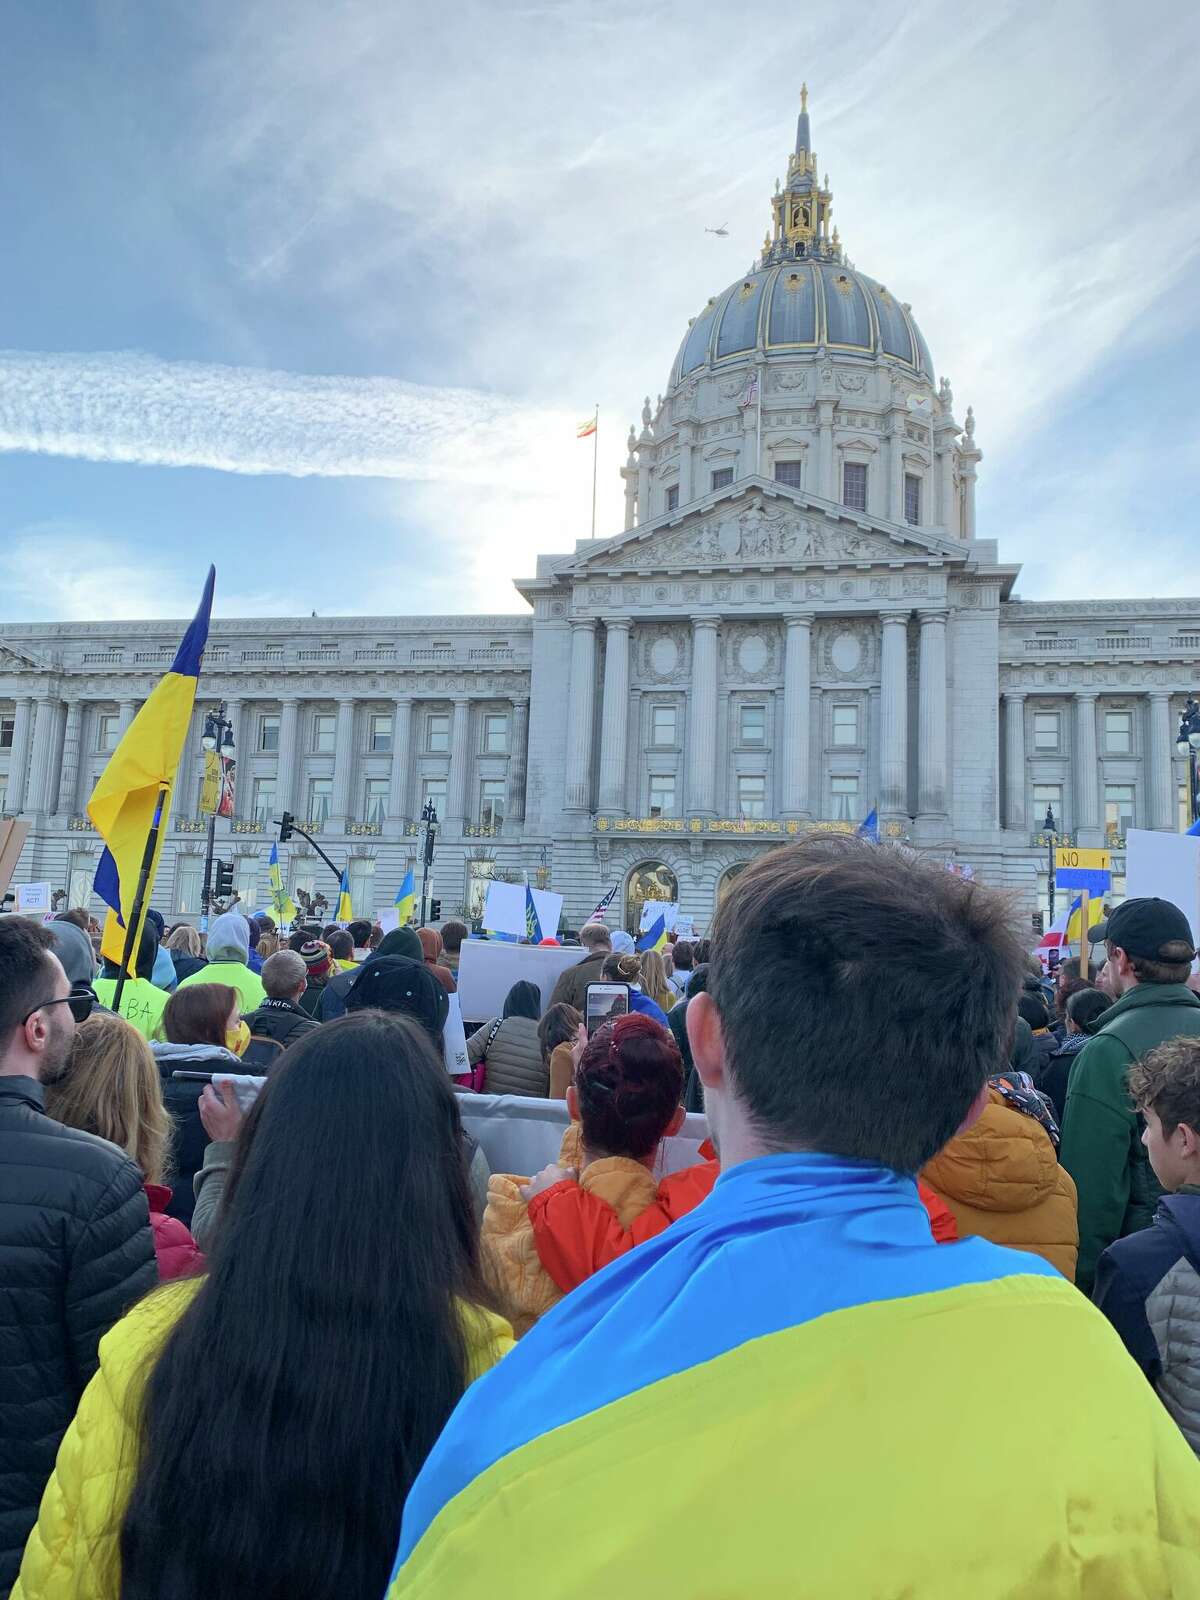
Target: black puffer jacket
276,1022
75,1252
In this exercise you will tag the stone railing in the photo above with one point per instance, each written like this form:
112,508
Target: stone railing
431,653
265,656
701,825
483,830
381,653
190,824
103,658
80,824
1185,641
361,829
1041,841
247,825
491,653
1045,646
1123,641
332,655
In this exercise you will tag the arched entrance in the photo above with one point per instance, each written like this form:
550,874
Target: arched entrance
649,880
726,880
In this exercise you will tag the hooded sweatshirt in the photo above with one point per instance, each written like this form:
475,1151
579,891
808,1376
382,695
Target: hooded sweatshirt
228,952
74,949
399,942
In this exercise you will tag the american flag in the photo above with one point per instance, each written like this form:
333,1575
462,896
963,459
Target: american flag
598,914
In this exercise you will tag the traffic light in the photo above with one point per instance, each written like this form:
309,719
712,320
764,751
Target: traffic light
435,911
224,884
1039,923
285,827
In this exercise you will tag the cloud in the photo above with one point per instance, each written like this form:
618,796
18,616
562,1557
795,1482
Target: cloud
127,407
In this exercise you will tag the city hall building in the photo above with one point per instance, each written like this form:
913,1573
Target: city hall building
798,622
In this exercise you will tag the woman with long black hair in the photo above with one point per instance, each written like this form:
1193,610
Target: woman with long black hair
255,1433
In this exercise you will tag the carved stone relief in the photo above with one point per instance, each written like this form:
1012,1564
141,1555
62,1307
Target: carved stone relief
759,533
847,652
751,652
851,382
790,380
664,653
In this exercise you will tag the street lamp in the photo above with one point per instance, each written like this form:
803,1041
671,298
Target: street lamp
1050,829
217,735
429,817
1188,745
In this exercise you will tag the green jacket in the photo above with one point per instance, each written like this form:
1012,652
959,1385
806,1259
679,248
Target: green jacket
1101,1133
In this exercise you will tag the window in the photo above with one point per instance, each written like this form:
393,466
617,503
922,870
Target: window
378,791
495,734
1047,730
491,803
722,478
912,499
752,724
673,497
845,798
8,729
3,795
662,725
752,795
381,733
1118,809
434,789
1118,733
264,799
189,882
107,733
789,472
245,881
854,485
304,877
362,886
320,797
268,732
324,733
662,794
437,731
1048,794
845,725
81,869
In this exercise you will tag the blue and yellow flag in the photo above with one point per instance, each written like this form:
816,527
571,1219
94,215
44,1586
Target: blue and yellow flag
345,911
533,924
1095,913
655,935
133,794
406,900
282,903
868,828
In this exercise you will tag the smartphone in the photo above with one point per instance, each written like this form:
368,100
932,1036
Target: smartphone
604,1002
192,1077
246,1086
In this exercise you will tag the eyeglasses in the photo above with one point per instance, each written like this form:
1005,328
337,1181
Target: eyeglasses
80,1000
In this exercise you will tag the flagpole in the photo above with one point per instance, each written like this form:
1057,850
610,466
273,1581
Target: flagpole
595,458
140,897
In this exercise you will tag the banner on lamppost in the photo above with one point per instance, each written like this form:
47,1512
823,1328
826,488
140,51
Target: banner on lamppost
228,768
210,787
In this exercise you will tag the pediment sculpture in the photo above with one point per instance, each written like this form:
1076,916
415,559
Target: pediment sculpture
752,534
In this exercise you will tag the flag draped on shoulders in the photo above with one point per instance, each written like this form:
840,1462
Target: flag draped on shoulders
406,900
132,797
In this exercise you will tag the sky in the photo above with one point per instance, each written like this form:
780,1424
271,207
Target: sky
320,292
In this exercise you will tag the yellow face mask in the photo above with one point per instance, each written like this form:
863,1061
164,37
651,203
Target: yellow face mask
236,1039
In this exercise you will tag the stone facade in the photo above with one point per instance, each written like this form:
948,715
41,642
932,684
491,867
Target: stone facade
798,623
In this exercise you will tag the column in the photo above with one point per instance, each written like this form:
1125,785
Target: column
932,716
460,758
827,487
687,490
187,774
125,712
794,734
39,764
343,763
581,722
401,745
895,459
946,515
702,719
1160,761
614,719
1087,771
18,765
1014,749
285,767
68,781
516,767
893,716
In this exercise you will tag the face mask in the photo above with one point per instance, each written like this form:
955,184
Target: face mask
236,1039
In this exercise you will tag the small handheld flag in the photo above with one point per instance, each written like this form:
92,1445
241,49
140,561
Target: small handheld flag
598,914
655,935
533,925
345,911
868,828
406,899
282,903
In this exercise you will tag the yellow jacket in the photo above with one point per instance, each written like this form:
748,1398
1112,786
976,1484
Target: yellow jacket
72,1551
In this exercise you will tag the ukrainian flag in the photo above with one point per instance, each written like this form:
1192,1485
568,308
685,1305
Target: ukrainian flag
406,900
132,797
769,1398
345,911
655,935
1095,913
533,924
281,902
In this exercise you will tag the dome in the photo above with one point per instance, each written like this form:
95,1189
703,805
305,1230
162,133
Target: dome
796,305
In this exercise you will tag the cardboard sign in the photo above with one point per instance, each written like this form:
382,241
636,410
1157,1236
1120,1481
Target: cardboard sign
33,899
668,910
548,906
504,909
1089,870
488,968
1166,865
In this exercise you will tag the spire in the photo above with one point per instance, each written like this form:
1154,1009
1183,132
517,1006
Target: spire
803,135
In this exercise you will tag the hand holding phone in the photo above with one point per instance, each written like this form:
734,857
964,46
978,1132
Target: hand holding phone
605,1002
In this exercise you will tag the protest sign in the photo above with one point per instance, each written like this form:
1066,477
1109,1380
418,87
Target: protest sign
33,899
488,968
668,910
548,906
504,909
1166,865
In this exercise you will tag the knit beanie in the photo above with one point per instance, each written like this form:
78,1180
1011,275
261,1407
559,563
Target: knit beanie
317,960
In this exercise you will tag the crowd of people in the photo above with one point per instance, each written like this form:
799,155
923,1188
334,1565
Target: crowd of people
271,1326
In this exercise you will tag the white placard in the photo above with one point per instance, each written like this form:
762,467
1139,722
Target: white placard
504,908
548,906
33,899
685,927
522,1135
388,919
1166,865
488,968
454,1040
668,910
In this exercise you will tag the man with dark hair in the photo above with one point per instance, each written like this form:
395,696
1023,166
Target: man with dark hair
795,1359
360,937
571,987
1150,954
341,946
1083,1006
75,1243
453,934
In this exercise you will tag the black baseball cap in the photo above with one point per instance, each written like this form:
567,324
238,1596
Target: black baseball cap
1143,927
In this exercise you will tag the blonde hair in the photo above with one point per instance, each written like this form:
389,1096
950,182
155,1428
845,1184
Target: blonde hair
654,980
113,1089
267,945
184,938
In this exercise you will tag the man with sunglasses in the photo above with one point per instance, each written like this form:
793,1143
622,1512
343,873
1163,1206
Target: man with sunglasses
75,1243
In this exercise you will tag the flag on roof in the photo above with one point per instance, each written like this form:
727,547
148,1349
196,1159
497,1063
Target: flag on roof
587,428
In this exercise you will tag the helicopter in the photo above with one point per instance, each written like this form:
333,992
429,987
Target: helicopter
722,232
